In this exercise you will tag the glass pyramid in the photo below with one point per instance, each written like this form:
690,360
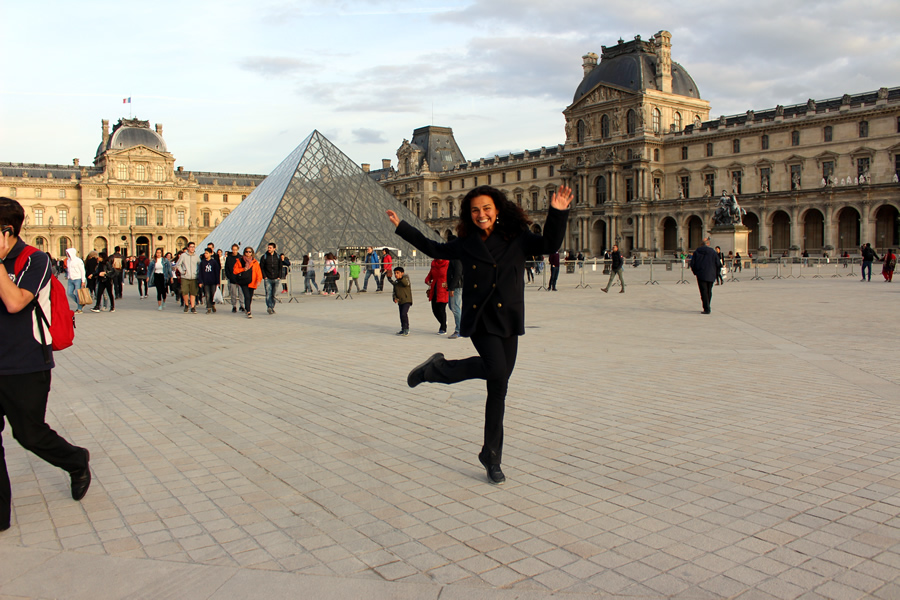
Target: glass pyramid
316,200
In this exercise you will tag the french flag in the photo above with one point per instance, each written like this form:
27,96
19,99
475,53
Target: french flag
126,100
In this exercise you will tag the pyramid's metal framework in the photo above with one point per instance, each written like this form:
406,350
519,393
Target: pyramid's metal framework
316,200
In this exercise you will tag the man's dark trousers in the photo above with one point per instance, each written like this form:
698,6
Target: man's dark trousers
23,401
706,288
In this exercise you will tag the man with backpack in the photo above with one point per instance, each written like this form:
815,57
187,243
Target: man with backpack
234,290
118,265
139,268
26,282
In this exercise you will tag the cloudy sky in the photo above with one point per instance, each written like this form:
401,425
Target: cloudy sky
237,85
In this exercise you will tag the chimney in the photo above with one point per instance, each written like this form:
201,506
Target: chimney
385,163
75,161
365,167
159,129
105,132
590,61
663,61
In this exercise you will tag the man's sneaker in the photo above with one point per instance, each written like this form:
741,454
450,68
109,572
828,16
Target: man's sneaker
442,332
242,309
186,308
95,310
453,336
193,311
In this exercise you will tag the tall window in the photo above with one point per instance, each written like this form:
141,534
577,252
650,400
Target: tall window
678,121
581,131
39,216
629,189
863,129
435,212
601,190
13,192
534,201
534,173
656,120
827,170
764,142
475,181
735,146
62,194
39,243
160,173
709,183
64,244
685,184
123,217
180,216
518,175
795,138
38,192
490,179
206,219
140,216
434,184
795,177
159,217
98,216
519,199
139,173
122,171
631,122
206,197
551,173
224,197
63,216
656,154
684,152
604,126
828,133
709,149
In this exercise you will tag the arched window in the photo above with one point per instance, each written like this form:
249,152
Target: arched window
601,189
160,173
64,244
604,126
39,243
140,216
580,132
656,154
122,171
631,122
657,120
678,121
139,172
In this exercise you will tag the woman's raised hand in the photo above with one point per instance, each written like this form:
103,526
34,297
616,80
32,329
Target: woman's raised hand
562,198
395,220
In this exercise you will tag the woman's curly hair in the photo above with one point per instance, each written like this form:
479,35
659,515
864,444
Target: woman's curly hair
511,219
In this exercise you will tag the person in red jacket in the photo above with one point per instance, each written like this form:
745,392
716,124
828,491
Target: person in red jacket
387,268
437,292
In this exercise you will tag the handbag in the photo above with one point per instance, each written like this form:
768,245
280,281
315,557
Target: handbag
84,296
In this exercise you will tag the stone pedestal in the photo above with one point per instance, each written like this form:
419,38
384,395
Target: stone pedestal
730,238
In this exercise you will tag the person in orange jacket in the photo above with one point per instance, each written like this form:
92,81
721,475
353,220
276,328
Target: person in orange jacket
248,275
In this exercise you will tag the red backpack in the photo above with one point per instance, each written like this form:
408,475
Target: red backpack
62,318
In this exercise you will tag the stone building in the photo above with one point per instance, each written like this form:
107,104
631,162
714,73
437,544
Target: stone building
132,196
648,165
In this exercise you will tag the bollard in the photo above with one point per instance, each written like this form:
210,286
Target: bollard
682,280
584,285
756,276
652,281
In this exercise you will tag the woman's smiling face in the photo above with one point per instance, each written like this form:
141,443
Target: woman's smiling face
484,213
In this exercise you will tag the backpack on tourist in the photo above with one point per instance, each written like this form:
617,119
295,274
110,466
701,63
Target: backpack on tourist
61,323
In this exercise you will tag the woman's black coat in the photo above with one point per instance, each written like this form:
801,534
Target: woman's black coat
485,281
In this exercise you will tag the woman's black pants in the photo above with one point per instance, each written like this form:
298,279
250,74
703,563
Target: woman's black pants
439,310
495,363
159,282
248,295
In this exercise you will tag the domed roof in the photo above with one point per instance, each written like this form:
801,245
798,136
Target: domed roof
632,66
129,133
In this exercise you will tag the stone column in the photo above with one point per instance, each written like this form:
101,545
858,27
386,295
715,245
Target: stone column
796,227
828,234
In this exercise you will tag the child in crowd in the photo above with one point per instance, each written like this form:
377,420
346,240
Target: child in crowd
402,297
354,274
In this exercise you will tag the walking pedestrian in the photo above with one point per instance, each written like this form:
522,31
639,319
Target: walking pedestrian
494,242
139,270
705,264
402,297
308,268
868,257
371,262
437,292
387,262
720,279
554,271
208,279
234,290
887,268
616,268
76,278
26,363
188,265
160,270
270,265
248,276
353,278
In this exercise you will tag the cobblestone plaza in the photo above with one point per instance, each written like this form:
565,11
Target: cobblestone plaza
651,451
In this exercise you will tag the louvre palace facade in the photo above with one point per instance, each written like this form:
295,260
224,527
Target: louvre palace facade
648,164
132,196
646,161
